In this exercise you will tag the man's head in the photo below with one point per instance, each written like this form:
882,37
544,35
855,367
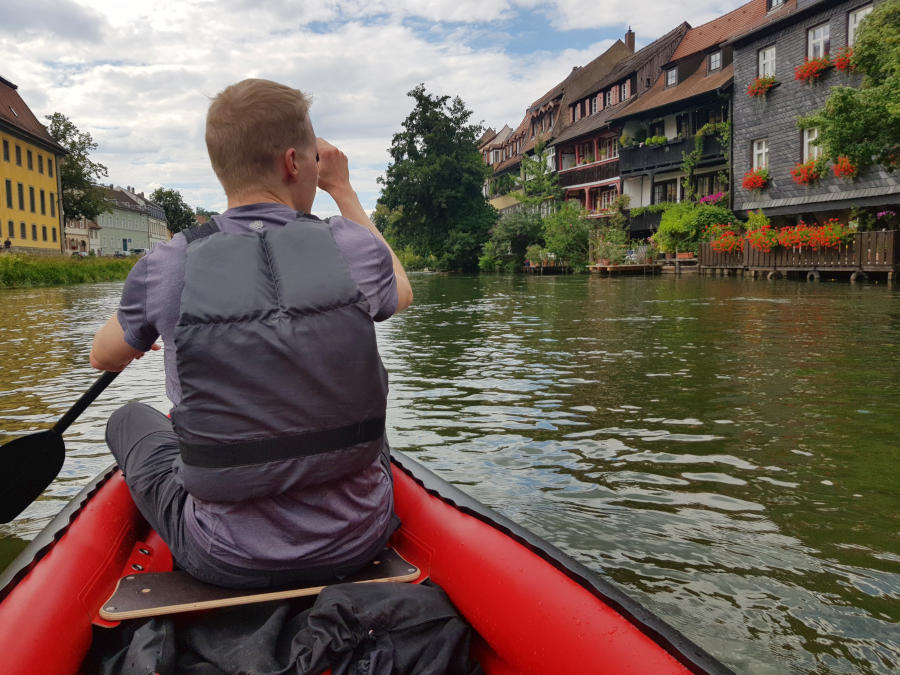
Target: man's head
250,127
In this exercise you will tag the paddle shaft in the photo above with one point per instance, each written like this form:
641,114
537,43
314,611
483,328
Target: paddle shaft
86,399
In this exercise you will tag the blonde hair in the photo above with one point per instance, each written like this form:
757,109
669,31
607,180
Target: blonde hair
248,126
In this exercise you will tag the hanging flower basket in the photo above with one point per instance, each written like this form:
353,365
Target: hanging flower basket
755,179
844,168
761,86
842,61
807,173
812,69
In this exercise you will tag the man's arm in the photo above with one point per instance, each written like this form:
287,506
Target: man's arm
110,352
334,178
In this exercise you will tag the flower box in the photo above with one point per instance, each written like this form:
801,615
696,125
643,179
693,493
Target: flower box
807,173
755,179
812,69
843,60
844,168
761,86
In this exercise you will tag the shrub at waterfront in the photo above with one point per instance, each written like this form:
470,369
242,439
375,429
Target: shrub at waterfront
682,226
21,270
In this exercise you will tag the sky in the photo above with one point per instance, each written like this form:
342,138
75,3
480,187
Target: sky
138,76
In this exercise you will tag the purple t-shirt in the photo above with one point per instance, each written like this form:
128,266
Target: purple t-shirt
273,533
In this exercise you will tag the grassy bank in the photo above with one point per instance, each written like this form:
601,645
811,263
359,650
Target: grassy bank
21,270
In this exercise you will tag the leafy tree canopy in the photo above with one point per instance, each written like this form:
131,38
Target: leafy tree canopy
566,232
200,211
863,123
179,215
433,184
539,182
78,174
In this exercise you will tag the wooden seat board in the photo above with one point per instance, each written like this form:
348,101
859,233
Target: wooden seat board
156,593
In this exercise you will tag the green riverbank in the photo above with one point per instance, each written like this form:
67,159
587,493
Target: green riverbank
17,271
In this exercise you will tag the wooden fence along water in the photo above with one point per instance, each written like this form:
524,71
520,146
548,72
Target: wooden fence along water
865,253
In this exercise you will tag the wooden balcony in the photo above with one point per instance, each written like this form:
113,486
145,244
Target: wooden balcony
589,173
655,158
871,252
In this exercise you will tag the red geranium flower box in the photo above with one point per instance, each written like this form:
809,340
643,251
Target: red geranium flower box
812,69
755,179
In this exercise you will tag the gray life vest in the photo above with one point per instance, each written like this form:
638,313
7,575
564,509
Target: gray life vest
282,384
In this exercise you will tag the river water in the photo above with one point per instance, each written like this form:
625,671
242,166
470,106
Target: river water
724,449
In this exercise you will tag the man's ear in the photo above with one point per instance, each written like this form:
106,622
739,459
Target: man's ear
289,166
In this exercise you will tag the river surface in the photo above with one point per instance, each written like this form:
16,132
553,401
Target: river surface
725,450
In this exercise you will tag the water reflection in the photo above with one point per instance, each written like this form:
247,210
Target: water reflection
723,449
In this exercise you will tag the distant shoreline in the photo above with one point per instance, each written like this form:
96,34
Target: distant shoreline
18,270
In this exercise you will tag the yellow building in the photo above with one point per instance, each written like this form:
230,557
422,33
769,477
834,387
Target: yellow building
30,204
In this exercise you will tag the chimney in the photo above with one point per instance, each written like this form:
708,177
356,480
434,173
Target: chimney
629,39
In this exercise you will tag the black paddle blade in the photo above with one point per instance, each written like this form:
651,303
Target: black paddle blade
29,465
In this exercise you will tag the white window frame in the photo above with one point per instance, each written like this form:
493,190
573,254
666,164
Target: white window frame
671,77
593,104
818,39
853,19
765,62
717,54
761,153
622,96
811,151
607,98
775,4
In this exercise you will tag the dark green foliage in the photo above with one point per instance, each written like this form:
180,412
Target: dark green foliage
864,124
567,232
682,225
179,215
503,184
78,175
539,182
434,181
512,234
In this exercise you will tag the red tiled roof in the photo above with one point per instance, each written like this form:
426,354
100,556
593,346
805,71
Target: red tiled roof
718,30
697,83
14,112
786,10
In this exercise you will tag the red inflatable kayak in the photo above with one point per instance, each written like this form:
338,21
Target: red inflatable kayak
534,609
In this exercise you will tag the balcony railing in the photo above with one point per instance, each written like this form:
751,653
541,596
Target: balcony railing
591,173
645,222
671,155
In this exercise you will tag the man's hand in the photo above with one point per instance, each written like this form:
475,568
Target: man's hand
334,171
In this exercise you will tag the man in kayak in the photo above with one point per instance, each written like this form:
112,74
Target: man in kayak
274,466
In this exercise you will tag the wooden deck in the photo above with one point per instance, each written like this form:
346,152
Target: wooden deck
612,270
866,254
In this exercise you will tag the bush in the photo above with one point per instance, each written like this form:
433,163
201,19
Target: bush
22,270
683,225
490,260
566,233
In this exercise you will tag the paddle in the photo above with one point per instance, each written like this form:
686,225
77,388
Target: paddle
30,463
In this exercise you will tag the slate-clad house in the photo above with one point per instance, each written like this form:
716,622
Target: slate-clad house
693,93
765,131
587,150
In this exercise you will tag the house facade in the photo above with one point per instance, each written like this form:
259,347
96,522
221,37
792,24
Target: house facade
30,204
82,236
676,137
587,149
135,223
766,134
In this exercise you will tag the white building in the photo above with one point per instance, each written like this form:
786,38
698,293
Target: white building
135,223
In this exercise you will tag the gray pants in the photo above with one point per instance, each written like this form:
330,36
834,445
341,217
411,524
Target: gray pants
145,446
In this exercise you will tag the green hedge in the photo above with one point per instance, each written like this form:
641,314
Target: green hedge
18,270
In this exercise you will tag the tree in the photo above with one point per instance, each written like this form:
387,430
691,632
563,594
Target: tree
178,214
78,174
566,232
863,124
200,211
540,183
433,184
512,235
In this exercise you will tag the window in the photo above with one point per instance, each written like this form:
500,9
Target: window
761,153
707,184
671,77
593,104
33,232
11,229
18,156
9,194
622,92
22,231
766,62
666,191
52,206
657,128
774,4
44,232
853,19
5,150
53,232
31,198
50,167
607,97
43,204
715,60
21,192
40,164
30,158
817,41
810,149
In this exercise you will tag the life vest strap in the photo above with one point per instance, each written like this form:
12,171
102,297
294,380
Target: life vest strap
220,456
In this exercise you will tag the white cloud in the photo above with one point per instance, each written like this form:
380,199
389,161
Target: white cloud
141,84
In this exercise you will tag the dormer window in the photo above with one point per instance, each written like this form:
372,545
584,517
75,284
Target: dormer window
671,77
775,4
715,61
